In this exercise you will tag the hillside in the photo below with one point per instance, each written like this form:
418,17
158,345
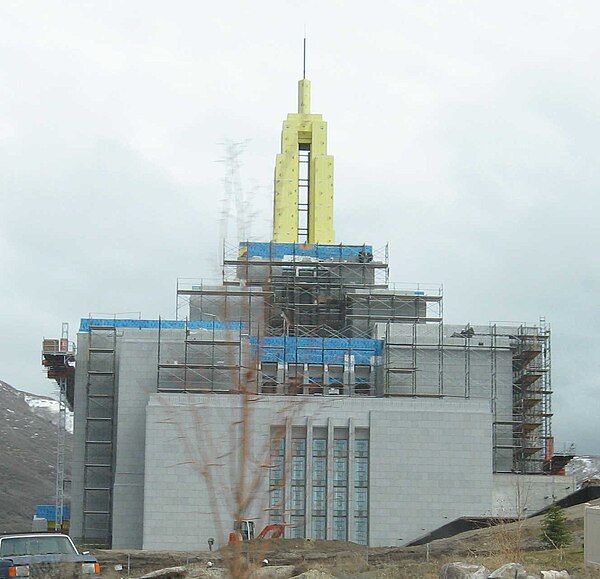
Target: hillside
27,476
492,547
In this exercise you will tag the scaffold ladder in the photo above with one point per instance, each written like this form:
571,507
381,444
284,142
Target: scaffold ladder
60,453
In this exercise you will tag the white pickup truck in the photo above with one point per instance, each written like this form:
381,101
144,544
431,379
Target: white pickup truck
47,555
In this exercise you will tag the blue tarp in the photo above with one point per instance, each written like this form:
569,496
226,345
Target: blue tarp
272,348
48,512
86,323
277,251
316,350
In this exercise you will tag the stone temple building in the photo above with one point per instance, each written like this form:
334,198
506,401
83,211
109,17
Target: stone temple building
305,389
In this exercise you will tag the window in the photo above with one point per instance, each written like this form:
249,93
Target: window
276,506
319,504
361,491
276,471
278,446
319,527
269,370
17,546
268,378
297,500
297,528
298,470
340,528
276,476
340,448
336,375
268,387
298,447
340,472
361,501
298,497
315,378
361,530
340,502
361,448
276,499
361,475
319,491
319,474
319,447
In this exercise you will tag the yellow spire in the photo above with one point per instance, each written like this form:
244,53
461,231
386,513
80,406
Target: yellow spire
303,204
304,97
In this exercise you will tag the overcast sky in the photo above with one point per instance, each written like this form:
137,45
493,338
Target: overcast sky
465,135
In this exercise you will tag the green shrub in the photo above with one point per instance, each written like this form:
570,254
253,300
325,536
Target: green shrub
555,533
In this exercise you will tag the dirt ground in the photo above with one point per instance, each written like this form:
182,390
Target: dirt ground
492,547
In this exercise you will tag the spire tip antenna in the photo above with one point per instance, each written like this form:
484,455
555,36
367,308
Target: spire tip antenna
304,57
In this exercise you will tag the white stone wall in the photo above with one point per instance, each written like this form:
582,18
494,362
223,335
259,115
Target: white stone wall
430,462
521,496
192,455
591,532
137,380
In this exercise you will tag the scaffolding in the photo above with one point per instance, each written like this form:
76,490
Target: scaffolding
323,320
434,360
205,356
201,357
58,358
306,313
307,287
532,391
100,435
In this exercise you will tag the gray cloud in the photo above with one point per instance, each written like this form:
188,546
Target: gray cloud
464,135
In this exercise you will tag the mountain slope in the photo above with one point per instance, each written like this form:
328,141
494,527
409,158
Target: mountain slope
28,456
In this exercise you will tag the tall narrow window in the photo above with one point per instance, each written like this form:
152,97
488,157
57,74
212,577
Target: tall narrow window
319,490
340,490
298,488
361,491
276,477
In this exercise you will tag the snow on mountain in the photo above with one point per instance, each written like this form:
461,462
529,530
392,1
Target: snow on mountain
48,408
42,406
584,468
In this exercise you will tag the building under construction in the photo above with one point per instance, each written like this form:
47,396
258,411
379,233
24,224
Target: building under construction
306,389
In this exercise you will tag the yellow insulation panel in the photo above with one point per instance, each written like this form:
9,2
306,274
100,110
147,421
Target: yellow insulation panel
303,128
320,226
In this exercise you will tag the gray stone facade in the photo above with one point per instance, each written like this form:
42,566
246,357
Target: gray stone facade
173,468
430,461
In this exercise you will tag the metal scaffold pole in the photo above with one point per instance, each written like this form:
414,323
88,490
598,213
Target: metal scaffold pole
58,358
60,452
